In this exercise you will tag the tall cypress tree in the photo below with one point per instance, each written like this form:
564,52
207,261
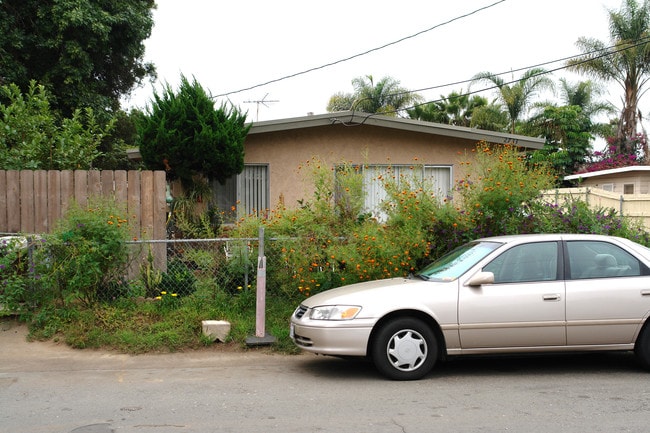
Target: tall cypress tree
184,134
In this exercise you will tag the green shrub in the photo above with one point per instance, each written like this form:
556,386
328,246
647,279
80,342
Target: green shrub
178,279
86,255
14,266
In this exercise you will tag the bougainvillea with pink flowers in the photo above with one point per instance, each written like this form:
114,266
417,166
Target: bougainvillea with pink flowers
612,157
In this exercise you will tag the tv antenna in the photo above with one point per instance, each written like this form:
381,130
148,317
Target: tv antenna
262,101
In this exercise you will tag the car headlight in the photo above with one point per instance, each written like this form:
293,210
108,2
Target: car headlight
334,312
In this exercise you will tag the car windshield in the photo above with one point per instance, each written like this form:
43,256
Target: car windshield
455,263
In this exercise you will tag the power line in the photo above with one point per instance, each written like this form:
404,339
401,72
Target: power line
586,58
363,53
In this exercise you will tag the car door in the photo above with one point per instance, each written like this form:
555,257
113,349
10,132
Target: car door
525,305
608,293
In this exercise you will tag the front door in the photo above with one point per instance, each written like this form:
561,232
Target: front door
525,307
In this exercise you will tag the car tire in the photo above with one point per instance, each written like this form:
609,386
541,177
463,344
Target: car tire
642,347
404,349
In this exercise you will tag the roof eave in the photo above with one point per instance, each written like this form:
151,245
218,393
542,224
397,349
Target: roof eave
358,118
608,172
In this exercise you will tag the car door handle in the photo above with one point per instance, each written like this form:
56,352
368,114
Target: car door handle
551,297
645,292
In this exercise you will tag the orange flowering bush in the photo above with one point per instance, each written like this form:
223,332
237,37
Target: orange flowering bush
500,188
330,241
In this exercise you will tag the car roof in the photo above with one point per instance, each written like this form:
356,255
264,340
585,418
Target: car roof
538,237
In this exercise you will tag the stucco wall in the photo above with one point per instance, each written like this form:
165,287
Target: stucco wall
286,151
641,182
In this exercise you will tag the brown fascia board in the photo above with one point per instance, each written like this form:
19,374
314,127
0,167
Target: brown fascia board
358,118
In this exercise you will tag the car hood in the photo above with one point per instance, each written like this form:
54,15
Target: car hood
378,294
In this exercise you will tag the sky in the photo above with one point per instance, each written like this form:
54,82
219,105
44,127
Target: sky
228,46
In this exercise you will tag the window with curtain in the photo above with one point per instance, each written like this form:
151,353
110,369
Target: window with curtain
437,177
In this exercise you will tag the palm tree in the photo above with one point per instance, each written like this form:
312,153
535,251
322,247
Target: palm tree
386,97
454,109
628,64
583,94
517,95
491,117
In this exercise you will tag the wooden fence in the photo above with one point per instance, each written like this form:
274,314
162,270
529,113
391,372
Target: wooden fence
32,201
635,206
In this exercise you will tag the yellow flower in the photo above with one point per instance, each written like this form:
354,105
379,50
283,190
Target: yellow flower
163,293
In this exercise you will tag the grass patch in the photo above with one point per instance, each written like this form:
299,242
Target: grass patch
145,326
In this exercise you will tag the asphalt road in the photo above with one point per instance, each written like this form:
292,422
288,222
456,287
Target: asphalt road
47,387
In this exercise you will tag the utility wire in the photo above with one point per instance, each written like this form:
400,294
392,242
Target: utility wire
586,58
363,53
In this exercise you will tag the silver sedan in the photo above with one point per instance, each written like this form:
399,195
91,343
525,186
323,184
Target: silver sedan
499,295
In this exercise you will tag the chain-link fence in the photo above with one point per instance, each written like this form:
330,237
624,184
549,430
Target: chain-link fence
181,266
67,269
175,267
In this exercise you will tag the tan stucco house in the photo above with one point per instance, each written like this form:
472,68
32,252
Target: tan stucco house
275,149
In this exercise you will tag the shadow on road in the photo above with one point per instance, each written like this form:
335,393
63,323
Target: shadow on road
330,367
476,366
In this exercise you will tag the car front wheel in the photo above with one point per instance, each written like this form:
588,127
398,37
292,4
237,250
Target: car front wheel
404,349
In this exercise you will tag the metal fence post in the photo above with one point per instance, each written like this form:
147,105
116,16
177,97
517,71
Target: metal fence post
261,337
620,205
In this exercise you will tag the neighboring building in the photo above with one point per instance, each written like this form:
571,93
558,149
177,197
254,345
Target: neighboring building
624,180
274,151
626,190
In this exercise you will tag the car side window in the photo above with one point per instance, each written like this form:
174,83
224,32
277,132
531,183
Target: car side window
525,263
597,259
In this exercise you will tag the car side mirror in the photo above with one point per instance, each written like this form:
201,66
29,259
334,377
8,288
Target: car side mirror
481,278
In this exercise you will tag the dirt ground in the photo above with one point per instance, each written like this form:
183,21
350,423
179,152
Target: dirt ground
18,353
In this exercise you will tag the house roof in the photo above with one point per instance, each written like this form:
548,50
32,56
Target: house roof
359,118
629,169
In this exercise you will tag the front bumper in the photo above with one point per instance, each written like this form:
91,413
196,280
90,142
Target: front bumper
332,337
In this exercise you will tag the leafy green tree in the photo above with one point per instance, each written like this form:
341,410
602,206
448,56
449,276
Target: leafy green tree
385,97
628,64
517,96
340,102
455,109
569,129
124,136
86,53
584,94
33,137
568,139
182,133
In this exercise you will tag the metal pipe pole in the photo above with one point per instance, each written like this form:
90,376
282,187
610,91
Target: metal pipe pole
261,337
260,307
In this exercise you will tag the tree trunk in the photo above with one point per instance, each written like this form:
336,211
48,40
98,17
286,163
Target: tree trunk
627,126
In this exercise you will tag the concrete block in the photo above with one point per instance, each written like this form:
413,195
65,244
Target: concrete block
216,329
